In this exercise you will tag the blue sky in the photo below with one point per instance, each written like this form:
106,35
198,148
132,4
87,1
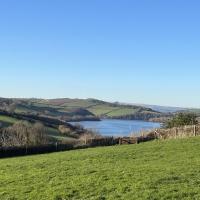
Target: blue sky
117,50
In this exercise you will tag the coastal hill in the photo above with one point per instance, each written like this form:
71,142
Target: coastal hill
78,109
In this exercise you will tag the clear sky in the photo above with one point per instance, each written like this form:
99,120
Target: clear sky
138,51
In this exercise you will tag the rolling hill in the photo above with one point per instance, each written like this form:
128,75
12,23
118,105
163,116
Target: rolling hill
78,109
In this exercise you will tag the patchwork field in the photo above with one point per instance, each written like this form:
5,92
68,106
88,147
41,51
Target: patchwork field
155,170
76,109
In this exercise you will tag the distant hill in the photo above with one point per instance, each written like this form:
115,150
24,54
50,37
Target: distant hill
163,109
194,110
78,109
46,108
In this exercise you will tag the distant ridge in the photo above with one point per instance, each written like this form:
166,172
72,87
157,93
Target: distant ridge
163,109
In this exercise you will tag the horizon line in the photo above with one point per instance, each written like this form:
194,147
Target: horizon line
86,98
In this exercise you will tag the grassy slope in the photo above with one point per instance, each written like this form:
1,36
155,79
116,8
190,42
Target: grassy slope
154,170
6,121
101,109
121,112
96,107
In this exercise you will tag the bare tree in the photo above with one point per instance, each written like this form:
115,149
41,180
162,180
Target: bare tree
23,133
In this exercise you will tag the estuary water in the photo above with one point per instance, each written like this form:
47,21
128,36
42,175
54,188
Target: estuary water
112,127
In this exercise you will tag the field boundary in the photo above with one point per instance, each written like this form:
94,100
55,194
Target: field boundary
178,132
173,133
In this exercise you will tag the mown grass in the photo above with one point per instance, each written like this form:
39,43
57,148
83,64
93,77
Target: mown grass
155,170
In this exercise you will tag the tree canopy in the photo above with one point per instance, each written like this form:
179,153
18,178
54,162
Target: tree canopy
182,119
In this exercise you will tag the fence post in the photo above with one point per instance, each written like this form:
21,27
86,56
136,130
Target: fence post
56,146
194,130
26,149
176,132
156,134
120,141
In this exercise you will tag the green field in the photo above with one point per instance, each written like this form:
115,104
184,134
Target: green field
102,109
6,121
155,170
122,112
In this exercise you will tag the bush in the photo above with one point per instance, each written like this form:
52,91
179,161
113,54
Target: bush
67,131
182,119
64,130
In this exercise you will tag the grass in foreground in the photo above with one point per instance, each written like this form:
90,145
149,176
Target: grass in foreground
155,170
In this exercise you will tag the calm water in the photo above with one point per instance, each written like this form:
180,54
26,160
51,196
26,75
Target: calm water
111,127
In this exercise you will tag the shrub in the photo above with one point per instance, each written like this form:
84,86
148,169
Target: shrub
67,131
64,130
182,119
